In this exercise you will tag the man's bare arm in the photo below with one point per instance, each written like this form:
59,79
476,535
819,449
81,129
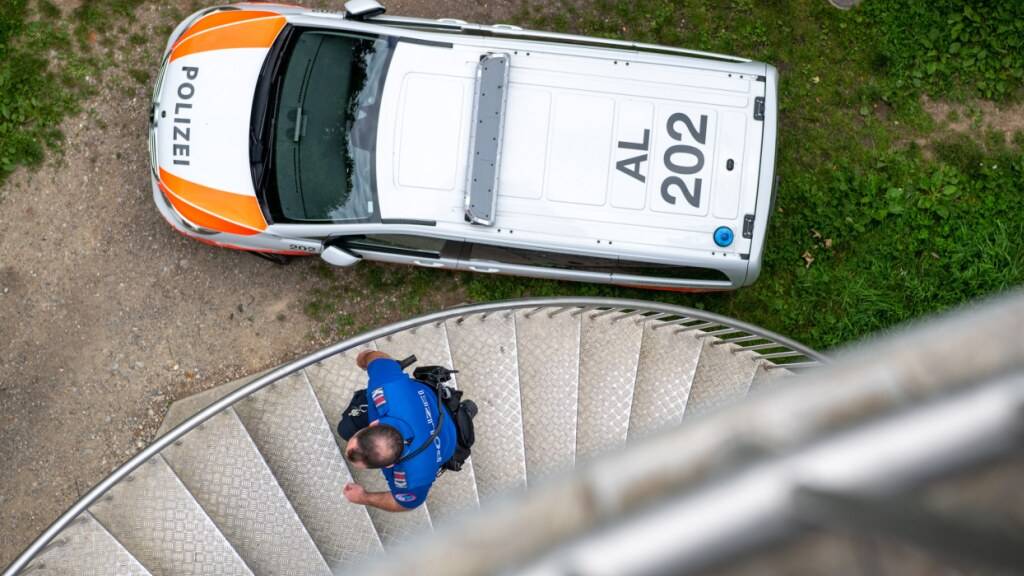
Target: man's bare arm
383,500
366,356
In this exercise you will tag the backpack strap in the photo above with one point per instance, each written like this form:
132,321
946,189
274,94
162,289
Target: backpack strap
437,429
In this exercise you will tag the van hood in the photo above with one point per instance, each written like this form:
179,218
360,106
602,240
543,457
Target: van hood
201,117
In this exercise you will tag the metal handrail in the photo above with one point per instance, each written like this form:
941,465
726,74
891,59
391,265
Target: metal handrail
757,504
176,433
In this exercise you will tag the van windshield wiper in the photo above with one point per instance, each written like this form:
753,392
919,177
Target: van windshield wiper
260,151
263,110
264,147
306,75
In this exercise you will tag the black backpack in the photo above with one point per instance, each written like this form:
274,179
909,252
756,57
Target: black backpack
462,412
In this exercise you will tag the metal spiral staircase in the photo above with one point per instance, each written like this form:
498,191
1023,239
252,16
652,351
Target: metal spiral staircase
246,478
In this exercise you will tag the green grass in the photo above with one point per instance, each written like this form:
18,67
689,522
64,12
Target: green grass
33,97
94,16
895,231
45,63
350,301
141,75
953,48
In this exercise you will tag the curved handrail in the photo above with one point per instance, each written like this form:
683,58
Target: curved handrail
686,318
887,418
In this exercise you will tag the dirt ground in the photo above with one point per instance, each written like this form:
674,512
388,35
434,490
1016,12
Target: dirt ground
977,115
978,120
107,315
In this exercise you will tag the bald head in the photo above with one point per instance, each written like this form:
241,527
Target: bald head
376,446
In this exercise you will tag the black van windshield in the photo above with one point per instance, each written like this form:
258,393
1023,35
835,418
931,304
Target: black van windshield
325,126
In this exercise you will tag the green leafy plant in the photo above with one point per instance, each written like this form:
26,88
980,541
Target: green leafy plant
950,47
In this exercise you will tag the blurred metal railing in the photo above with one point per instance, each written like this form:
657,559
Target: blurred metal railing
776,350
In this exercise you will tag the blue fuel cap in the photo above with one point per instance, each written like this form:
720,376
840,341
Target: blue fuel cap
723,236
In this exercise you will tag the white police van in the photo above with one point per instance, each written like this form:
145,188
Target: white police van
449,145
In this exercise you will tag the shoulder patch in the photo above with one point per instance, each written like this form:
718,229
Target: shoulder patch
403,497
400,480
378,397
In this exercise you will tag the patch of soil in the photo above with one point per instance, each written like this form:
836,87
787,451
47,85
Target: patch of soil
107,315
975,118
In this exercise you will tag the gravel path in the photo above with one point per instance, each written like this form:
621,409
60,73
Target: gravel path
107,315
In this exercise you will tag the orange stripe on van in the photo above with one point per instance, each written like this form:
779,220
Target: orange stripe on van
242,248
200,218
220,19
252,33
212,208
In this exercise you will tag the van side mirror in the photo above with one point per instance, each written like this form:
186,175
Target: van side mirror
363,9
339,256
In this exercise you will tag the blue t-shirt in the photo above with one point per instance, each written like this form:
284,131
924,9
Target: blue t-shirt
395,399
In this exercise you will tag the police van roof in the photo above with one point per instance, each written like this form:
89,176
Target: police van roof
657,150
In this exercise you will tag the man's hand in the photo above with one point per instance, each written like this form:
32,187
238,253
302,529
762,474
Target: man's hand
355,493
366,356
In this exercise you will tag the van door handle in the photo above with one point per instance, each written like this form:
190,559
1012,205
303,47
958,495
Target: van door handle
428,264
484,270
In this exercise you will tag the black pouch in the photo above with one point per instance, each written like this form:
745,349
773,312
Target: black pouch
451,398
354,417
464,434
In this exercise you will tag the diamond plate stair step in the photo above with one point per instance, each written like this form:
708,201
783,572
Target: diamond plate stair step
766,379
609,355
667,365
483,347
549,351
454,491
221,466
182,409
334,381
292,434
723,376
84,548
159,522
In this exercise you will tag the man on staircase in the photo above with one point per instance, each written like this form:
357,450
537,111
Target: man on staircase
393,426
